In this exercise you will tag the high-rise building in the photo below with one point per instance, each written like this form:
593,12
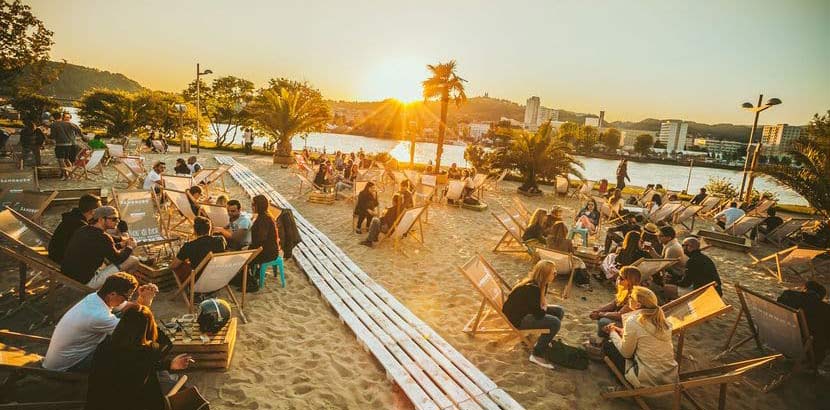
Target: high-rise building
673,134
546,114
778,139
532,112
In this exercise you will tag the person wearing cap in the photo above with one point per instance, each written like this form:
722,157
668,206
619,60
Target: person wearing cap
650,237
615,235
90,246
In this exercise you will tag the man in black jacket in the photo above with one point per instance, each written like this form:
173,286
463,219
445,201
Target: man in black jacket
700,270
816,311
90,245
70,222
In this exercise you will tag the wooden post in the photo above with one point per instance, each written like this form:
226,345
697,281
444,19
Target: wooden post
722,396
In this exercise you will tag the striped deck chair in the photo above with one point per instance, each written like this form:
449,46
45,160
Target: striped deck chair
565,265
126,175
92,165
114,151
511,240
789,258
744,225
491,286
665,212
784,232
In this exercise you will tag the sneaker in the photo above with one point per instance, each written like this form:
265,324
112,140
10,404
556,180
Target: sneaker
541,362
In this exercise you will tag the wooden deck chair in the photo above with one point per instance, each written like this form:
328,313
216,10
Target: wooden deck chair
693,309
423,196
562,185
158,146
784,232
665,212
491,286
218,175
455,192
774,326
761,208
744,225
18,181
399,177
511,240
585,190
180,211
135,163
413,176
710,203
201,175
408,225
686,215
177,182
357,187
721,376
215,273
564,262
478,185
648,267
304,181
140,210
126,175
114,151
32,204
522,209
646,196
517,218
92,165
494,183
316,194
789,258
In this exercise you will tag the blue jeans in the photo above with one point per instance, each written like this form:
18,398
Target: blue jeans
551,321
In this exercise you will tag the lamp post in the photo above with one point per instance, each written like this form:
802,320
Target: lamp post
749,165
199,73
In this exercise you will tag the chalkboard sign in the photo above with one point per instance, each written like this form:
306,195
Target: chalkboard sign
777,326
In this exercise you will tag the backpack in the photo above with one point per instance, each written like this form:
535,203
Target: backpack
567,356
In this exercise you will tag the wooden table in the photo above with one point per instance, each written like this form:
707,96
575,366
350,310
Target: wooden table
592,258
214,354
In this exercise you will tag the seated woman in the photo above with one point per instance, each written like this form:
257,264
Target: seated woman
628,253
264,232
406,192
557,240
534,234
321,177
125,366
653,205
526,308
181,167
385,222
642,348
221,200
588,217
615,204
366,206
612,312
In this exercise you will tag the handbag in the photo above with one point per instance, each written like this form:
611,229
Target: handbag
187,399
567,356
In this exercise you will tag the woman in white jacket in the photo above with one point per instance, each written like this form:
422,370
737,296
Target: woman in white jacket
643,347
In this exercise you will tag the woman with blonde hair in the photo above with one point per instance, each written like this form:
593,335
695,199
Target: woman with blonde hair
612,312
526,308
642,349
535,228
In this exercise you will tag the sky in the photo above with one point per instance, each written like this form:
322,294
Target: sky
693,60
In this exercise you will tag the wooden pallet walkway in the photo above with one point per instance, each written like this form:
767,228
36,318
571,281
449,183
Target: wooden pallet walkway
428,369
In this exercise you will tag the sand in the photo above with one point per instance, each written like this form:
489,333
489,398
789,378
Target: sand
296,354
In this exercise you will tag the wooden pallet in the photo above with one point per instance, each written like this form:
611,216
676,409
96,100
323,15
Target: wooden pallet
160,274
215,354
321,198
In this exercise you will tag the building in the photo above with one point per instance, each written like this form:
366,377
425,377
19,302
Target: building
510,122
601,120
546,114
778,139
721,148
592,121
629,137
479,130
532,112
673,134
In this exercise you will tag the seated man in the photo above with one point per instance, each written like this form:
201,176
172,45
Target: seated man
728,216
385,222
615,235
816,311
406,193
193,252
70,222
154,180
700,270
90,246
194,194
698,199
768,224
85,325
194,165
238,233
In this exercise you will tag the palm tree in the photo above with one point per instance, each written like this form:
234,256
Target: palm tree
812,179
285,113
443,85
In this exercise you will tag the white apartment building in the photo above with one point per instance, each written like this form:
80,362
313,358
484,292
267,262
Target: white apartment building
778,139
546,114
532,112
719,148
479,130
673,134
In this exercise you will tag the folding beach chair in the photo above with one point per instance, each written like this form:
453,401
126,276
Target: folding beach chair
218,175
408,225
177,182
687,214
664,212
517,218
126,175
92,165
455,192
140,210
524,213
693,309
413,176
721,376
789,258
32,204
301,166
564,265
776,327
709,204
423,196
761,208
136,164
179,213
494,183
478,185
784,232
646,196
744,225
562,185
18,181
114,152
585,190
215,273
511,240
158,146
488,283
217,214
648,267
201,175
315,194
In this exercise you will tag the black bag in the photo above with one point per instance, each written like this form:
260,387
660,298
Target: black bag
581,277
567,356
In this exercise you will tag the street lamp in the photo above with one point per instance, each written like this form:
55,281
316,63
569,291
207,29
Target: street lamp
198,110
749,166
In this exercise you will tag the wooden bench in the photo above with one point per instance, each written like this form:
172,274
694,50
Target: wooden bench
428,369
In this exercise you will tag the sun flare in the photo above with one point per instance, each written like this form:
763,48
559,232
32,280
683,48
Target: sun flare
399,79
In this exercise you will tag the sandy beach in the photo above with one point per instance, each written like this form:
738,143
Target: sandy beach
296,354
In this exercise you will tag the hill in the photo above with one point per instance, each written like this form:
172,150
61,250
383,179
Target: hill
74,80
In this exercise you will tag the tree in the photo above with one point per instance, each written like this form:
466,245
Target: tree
444,85
588,136
538,154
225,104
158,111
643,144
24,43
285,111
570,132
611,139
32,106
812,179
114,111
477,157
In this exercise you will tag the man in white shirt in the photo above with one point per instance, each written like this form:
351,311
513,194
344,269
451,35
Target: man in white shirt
194,165
90,321
728,216
238,233
154,180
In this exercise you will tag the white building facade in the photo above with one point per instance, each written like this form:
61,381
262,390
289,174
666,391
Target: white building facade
778,139
532,112
673,134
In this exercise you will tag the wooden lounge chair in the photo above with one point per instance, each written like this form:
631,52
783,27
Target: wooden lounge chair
772,325
494,183
316,194
478,185
408,225
487,282
646,196
357,187
217,176
177,182
215,273
789,258
522,209
126,175
180,212
687,215
201,175
114,152
423,196
136,165
511,240
455,192
744,225
564,265
31,204
585,190
158,146
761,208
721,376
18,181
413,176
140,210
648,267
517,217
710,203
665,212
92,165
217,214
784,232
693,309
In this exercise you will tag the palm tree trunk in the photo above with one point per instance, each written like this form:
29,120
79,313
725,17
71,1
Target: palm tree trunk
442,128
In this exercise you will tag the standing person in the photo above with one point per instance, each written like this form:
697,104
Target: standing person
700,271
248,139
642,349
27,139
154,180
385,222
366,206
90,245
63,134
194,165
526,308
71,221
622,174
38,142
238,233
728,216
